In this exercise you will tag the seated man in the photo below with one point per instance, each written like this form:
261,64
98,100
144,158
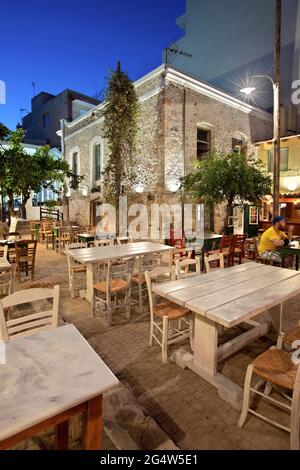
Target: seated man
272,240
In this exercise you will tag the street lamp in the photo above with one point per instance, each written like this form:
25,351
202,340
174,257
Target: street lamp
276,170
276,87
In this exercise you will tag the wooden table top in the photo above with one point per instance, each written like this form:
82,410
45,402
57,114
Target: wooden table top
46,374
107,253
4,263
232,296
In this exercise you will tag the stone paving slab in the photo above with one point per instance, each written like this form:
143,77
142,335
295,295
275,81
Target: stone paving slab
185,407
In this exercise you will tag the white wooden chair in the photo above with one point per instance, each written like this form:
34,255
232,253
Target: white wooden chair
34,322
114,282
3,251
74,269
124,240
143,264
219,258
7,281
103,243
275,370
183,268
167,318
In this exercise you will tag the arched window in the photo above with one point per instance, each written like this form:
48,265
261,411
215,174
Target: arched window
74,160
239,143
204,140
96,161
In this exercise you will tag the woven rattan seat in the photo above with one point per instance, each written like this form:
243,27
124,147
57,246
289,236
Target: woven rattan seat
170,310
277,367
117,285
79,269
292,336
137,280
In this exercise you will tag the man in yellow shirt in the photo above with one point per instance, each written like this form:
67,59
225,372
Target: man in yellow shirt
272,240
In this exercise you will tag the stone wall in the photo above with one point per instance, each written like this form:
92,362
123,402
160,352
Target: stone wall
167,141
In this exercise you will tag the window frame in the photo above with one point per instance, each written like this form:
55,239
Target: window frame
207,142
270,162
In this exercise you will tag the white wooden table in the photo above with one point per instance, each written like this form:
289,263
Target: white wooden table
229,298
48,378
101,255
4,264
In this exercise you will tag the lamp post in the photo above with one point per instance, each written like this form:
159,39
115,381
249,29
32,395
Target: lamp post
276,88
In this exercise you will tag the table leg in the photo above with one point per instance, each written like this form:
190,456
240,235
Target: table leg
62,436
204,362
206,344
92,425
90,282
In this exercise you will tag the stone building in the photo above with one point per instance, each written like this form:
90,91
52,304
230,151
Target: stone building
181,119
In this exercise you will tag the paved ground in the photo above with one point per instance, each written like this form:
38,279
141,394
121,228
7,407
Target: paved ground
185,407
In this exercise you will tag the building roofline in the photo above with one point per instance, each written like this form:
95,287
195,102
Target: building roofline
282,139
180,77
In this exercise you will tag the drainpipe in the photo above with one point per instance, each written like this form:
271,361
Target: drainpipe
65,188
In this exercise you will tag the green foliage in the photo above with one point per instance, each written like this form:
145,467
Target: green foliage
21,173
120,130
4,132
231,178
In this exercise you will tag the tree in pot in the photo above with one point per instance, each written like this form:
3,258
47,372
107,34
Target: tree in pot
231,178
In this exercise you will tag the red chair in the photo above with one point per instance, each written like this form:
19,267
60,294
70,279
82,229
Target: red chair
227,247
238,251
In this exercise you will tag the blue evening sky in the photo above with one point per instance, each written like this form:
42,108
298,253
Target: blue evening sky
61,44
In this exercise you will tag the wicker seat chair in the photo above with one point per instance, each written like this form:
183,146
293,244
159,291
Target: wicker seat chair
276,368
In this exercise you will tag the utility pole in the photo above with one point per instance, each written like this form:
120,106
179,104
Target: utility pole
277,123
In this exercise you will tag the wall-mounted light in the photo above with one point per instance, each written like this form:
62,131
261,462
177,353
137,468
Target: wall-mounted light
139,188
84,192
173,185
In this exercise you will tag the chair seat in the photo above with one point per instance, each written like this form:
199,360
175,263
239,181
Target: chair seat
139,280
79,269
277,367
117,285
170,310
238,251
292,336
225,252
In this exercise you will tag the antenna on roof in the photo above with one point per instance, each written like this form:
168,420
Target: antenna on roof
174,51
33,89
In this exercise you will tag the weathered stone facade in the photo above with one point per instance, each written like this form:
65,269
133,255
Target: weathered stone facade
173,106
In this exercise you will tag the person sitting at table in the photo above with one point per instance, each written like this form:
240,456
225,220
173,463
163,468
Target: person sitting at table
272,240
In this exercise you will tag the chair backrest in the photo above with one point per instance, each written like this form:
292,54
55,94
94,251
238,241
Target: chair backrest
7,281
227,242
158,276
124,240
119,269
183,268
213,259
240,241
33,322
256,243
180,254
101,243
3,251
25,250
69,248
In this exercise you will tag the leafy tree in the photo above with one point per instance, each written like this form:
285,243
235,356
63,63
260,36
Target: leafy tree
120,130
21,173
231,178
4,132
